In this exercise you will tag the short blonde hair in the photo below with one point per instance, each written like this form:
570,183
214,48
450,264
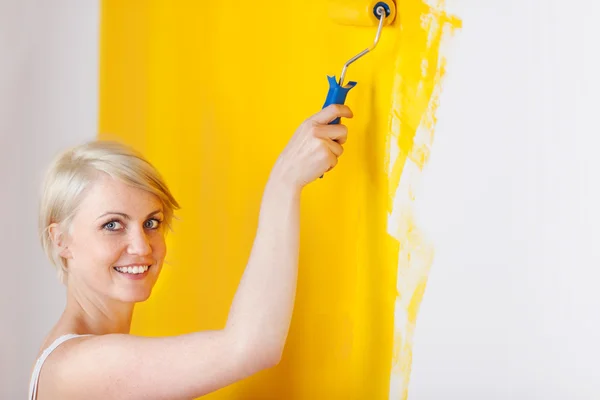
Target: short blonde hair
72,171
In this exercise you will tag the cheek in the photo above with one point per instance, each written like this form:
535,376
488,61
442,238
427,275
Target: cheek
159,247
112,250
102,249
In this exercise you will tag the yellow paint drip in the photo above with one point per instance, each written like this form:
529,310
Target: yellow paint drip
211,93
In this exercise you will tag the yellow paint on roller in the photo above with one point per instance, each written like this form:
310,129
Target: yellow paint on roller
358,12
211,92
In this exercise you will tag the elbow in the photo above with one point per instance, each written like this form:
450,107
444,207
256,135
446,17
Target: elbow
261,355
272,356
256,350
265,355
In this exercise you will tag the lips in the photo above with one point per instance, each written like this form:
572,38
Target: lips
133,269
133,272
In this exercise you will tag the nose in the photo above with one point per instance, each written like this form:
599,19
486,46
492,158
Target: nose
139,243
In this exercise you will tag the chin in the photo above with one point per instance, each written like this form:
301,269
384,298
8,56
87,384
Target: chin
134,296
134,288
133,293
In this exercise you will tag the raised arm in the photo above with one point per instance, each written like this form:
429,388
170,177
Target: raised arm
262,308
120,366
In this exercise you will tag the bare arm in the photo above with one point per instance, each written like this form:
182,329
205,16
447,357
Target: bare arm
187,366
262,307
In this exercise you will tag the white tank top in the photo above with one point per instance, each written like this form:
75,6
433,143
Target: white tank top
35,376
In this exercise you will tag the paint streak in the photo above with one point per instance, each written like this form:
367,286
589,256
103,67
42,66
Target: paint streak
420,67
211,92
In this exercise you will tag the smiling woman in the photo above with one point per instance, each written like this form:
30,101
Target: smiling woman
85,194
104,215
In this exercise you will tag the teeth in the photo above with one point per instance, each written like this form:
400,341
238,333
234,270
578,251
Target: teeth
137,269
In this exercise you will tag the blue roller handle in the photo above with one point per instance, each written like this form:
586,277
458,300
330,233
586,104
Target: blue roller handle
336,95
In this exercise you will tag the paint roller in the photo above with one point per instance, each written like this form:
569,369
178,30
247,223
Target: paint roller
356,13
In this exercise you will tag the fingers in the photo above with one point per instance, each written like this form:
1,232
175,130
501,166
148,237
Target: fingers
332,136
333,160
335,148
332,112
339,133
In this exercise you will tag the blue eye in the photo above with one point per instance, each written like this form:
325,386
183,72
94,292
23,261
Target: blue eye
112,226
152,223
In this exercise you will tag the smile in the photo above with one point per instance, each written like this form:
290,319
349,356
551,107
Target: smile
133,270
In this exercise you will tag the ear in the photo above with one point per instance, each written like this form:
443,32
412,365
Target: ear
59,239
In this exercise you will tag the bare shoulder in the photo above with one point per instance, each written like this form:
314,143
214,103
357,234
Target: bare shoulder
56,333
60,354
121,366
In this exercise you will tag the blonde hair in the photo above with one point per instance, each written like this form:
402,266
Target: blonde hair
72,171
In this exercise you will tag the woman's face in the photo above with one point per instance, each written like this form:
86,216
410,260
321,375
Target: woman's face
115,245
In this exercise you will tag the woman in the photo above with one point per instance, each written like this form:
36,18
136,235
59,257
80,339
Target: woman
103,217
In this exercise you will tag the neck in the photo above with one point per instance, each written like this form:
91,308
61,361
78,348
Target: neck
96,315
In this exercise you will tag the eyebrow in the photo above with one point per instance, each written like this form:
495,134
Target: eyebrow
125,215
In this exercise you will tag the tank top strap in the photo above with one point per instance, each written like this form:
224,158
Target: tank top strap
35,376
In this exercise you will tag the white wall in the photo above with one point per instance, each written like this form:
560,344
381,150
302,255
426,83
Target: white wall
48,100
511,198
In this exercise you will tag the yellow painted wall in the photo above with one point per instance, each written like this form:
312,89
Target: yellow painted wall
211,92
